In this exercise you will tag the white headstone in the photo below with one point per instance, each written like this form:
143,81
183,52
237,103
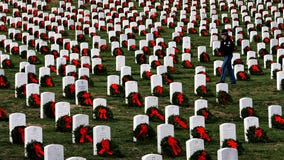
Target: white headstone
227,154
193,145
78,120
163,130
16,119
54,152
100,132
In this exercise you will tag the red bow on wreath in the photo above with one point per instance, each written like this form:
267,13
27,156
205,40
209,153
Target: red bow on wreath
143,131
180,122
49,82
68,121
84,135
205,113
87,98
203,134
103,112
172,142
52,68
38,150
232,143
115,88
159,90
258,132
202,156
2,82
155,112
277,118
136,100
36,99
21,132
255,68
32,78
105,147
180,98
242,75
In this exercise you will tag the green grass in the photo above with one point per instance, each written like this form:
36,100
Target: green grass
260,88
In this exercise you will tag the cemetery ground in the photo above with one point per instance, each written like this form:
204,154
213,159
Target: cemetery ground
260,88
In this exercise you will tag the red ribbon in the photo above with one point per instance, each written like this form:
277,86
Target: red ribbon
32,78
76,62
148,74
168,80
180,122
242,75
143,131
258,132
115,88
205,57
72,89
84,135
159,90
205,113
87,98
38,150
21,132
52,68
180,98
155,112
250,111
86,66
36,99
103,112
255,68
105,147
202,156
172,142
203,89
52,106
187,64
203,134
49,82
279,119
136,100
3,112
2,82
232,143
68,121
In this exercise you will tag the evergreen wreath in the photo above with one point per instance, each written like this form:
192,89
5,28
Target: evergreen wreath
46,81
178,121
147,75
200,132
103,113
171,146
35,150
126,78
180,99
4,83
49,109
203,91
135,100
144,131
277,121
155,114
116,90
248,111
208,116
256,134
64,124
107,148
167,78
69,91
242,76
224,98
34,101
83,134
231,143
85,98
18,135
99,69
21,91
200,154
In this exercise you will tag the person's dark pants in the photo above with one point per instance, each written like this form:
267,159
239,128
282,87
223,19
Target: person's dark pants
227,67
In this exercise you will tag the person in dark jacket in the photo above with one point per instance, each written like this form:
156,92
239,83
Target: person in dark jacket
226,49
